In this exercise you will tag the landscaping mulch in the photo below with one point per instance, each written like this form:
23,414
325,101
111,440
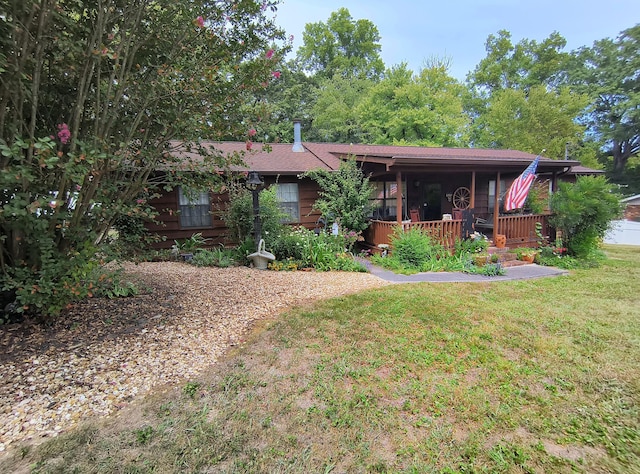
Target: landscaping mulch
101,354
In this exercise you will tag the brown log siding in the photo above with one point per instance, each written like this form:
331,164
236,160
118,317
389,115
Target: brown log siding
169,228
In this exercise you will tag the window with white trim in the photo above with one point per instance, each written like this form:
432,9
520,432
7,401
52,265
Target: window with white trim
288,201
194,208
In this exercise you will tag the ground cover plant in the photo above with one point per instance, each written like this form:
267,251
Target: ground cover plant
523,376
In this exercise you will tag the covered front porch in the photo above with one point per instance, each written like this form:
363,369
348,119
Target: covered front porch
452,196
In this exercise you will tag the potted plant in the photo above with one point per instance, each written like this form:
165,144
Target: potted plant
526,254
187,247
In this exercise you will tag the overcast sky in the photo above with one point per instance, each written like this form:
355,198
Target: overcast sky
412,31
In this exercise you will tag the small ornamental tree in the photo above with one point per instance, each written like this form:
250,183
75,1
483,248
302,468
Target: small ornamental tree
583,211
344,194
238,215
92,96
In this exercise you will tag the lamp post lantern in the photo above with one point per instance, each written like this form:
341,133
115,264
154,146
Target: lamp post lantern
254,183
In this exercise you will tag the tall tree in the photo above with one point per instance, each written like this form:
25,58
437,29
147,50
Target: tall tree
608,73
520,66
342,46
520,99
91,94
335,114
424,109
532,120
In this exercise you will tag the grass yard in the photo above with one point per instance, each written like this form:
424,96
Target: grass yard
530,376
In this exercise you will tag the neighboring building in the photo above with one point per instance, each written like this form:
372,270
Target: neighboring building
632,208
434,183
627,230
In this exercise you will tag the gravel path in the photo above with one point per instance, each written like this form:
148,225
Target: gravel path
101,354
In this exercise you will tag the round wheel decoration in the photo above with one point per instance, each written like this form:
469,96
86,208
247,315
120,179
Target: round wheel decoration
461,198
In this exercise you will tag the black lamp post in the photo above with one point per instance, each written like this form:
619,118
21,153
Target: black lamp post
254,183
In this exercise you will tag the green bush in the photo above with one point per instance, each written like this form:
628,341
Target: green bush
417,249
55,283
344,195
321,251
238,216
132,240
583,211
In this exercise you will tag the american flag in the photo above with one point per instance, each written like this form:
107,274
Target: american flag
519,189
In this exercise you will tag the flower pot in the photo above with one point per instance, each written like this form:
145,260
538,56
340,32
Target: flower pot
529,258
500,240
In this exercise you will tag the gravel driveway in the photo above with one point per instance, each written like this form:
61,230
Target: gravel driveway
101,354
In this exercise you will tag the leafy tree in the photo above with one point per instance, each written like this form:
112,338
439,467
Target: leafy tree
532,120
608,73
341,46
426,109
520,98
583,212
91,95
335,113
344,194
520,66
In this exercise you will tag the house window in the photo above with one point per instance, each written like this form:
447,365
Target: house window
288,201
492,192
384,199
194,208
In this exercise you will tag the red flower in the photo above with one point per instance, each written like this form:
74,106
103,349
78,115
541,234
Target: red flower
249,145
276,74
252,132
64,134
269,54
200,22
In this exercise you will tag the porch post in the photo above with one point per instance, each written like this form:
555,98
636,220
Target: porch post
472,202
399,197
554,182
496,206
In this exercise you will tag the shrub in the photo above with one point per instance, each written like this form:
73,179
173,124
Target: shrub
583,212
344,195
238,216
415,247
321,251
132,240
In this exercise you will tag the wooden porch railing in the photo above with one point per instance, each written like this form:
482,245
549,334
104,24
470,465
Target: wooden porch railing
379,232
520,230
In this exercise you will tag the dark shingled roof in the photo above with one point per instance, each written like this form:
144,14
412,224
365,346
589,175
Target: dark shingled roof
281,159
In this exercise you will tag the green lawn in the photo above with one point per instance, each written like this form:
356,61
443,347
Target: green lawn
528,376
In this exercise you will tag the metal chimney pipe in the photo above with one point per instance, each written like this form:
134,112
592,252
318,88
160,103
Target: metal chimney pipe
297,136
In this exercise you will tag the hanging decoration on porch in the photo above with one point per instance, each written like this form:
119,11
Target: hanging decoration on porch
461,198
517,194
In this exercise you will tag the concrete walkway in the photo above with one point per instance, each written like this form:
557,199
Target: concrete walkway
521,272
